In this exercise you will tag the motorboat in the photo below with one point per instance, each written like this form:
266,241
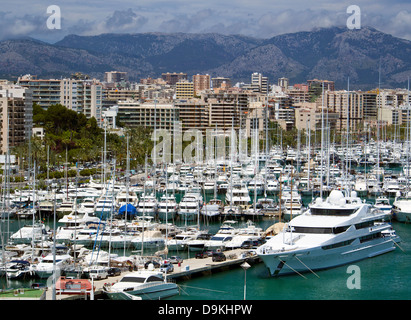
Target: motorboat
189,206
147,206
246,237
181,240
28,233
149,239
256,184
212,209
167,208
144,285
105,206
335,231
225,233
210,186
237,194
51,263
198,243
383,203
47,207
18,269
124,197
87,205
292,208
66,207
401,208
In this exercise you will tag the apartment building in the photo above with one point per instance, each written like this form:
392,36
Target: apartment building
159,115
193,114
315,83
218,81
46,92
259,83
16,114
349,106
283,83
201,82
115,76
184,90
82,96
226,109
173,78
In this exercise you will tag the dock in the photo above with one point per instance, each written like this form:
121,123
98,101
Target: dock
188,269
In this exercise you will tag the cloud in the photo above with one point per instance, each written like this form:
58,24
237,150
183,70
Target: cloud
189,22
125,20
259,18
121,21
400,24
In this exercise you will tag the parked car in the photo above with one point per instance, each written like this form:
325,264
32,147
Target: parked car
209,253
176,259
98,273
201,255
218,256
155,263
112,272
167,267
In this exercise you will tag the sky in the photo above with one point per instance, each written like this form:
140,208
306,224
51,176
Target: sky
255,18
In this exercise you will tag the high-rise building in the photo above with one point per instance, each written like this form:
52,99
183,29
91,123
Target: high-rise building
115,76
184,90
315,83
173,78
201,82
349,105
216,82
259,83
46,92
82,96
154,114
283,83
193,114
226,109
16,114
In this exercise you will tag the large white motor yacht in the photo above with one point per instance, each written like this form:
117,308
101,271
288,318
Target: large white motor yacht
333,232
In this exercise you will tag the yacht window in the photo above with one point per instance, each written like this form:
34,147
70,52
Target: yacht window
317,230
337,245
132,279
370,237
364,225
337,230
154,279
332,212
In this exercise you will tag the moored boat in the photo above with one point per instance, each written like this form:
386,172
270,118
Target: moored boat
339,230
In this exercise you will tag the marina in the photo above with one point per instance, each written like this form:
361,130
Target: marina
214,227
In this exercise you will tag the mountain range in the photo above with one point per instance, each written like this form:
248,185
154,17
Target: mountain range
367,57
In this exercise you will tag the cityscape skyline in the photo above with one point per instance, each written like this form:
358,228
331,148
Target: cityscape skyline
262,19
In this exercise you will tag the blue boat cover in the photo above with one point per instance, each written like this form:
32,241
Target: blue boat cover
131,210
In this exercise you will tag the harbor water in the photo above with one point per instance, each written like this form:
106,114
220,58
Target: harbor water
384,277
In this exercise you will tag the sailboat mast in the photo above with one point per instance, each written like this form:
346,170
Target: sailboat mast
127,190
322,140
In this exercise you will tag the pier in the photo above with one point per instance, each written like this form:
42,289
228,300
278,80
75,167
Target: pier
192,267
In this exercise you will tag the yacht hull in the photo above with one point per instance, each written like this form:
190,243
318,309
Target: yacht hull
291,262
154,292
